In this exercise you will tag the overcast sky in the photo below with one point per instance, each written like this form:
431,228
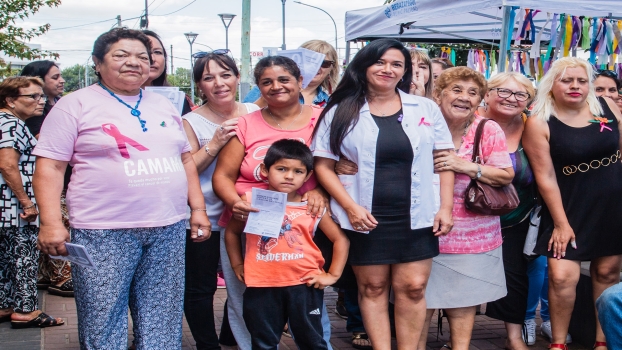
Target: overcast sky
302,23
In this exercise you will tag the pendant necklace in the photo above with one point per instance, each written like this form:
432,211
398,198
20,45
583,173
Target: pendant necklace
466,128
290,124
220,115
134,111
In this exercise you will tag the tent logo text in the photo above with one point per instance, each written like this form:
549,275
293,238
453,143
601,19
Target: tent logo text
400,8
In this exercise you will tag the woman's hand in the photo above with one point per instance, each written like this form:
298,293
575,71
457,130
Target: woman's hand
361,219
223,134
52,239
562,235
417,86
443,222
346,167
200,226
320,281
449,160
30,213
317,201
241,209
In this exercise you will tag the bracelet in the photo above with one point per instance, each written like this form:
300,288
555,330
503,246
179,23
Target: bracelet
205,210
32,206
207,151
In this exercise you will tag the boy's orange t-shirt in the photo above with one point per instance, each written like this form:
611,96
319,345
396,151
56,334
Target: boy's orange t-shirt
283,261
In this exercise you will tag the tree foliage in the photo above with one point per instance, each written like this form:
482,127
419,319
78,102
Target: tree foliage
13,38
74,77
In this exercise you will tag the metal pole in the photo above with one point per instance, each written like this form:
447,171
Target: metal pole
245,85
331,17
119,24
506,27
172,68
227,38
347,53
146,14
191,70
283,46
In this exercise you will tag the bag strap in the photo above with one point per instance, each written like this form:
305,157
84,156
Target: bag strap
477,152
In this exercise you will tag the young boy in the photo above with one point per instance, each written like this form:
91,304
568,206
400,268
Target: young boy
284,276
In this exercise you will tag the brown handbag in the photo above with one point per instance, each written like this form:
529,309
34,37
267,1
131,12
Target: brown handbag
482,198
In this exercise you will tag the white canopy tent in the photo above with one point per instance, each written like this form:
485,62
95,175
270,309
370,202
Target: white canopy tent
459,21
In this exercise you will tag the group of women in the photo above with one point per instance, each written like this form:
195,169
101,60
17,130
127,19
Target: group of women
393,165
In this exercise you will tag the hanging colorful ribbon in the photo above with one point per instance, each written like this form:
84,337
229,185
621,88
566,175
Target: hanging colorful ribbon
585,34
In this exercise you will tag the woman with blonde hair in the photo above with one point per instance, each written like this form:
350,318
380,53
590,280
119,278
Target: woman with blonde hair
507,97
573,143
421,85
320,87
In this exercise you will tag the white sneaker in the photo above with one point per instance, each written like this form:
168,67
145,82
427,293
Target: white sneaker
529,332
545,329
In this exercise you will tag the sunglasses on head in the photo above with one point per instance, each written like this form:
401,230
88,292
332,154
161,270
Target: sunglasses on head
327,64
202,54
607,73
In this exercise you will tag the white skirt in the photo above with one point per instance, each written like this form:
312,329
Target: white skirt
463,280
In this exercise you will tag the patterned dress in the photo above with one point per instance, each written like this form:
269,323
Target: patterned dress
18,238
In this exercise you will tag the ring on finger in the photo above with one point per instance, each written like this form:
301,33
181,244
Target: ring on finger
221,128
445,163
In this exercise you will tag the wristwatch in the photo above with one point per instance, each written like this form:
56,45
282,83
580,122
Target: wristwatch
479,172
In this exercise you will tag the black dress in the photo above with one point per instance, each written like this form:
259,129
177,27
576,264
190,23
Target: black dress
591,195
393,241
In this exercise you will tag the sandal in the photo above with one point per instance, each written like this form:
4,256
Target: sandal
42,320
599,343
64,290
361,337
5,318
558,346
447,346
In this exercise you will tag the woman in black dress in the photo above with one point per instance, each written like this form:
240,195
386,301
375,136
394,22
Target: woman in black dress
573,144
387,208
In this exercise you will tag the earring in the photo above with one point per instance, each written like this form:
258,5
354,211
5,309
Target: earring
402,80
13,107
485,107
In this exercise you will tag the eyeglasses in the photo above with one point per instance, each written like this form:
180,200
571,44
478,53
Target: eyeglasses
35,97
505,93
327,64
202,54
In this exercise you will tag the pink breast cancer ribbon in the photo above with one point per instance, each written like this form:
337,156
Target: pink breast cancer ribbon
424,122
121,140
604,126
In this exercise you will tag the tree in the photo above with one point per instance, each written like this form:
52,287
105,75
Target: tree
13,38
181,79
74,77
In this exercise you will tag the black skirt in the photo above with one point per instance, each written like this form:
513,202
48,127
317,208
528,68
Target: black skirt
392,242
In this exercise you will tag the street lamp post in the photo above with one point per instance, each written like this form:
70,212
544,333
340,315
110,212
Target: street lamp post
283,46
191,37
331,17
226,19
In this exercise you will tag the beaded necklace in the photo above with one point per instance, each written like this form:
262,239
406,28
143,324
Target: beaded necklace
134,111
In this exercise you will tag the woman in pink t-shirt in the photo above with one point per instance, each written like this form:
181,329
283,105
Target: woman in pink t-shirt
132,180
237,169
469,269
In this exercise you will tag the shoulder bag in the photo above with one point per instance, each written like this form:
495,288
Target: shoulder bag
485,199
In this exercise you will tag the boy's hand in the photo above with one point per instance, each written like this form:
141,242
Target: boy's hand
239,272
320,281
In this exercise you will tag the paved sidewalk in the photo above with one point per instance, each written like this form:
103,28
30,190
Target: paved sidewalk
488,333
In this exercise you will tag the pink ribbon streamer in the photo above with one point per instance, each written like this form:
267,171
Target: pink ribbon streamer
121,140
604,126
424,122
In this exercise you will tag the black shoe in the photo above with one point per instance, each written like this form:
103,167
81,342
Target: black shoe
64,290
340,308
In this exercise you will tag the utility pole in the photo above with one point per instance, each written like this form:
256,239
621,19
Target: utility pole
172,68
146,14
119,24
245,85
283,46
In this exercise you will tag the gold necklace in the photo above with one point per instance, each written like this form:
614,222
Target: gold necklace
383,113
220,115
290,124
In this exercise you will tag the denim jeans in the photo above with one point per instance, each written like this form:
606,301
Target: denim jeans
609,306
351,302
538,273
201,265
